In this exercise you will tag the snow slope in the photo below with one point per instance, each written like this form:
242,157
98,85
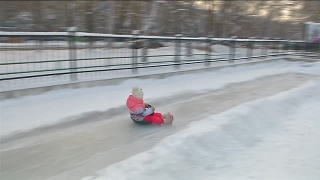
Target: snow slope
271,138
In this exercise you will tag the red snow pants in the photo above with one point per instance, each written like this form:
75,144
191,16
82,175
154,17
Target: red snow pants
155,118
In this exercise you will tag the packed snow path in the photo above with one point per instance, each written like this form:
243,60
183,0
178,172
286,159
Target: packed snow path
77,150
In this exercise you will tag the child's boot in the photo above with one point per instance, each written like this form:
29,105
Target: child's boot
167,118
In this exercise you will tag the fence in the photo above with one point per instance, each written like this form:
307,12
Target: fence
36,59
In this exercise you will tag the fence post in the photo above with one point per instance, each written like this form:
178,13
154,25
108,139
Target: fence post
144,52
208,55
279,47
177,51
249,48
285,45
232,48
282,46
262,47
266,47
134,47
72,54
110,43
286,49
318,49
189,49
306,47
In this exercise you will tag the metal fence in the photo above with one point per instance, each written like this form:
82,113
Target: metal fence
36,59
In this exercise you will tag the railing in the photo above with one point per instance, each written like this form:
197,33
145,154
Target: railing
33,59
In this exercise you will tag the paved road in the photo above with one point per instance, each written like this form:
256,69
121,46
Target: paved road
80,148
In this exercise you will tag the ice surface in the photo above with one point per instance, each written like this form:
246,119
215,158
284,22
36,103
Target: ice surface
271,138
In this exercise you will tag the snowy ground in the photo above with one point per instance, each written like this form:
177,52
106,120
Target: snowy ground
250,122
55,106
271,138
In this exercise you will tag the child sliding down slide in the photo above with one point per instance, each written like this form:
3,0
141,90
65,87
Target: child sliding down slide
143,113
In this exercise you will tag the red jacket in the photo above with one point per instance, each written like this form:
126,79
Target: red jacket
134,103
137,108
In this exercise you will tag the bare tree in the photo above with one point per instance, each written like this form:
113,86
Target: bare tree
37,15
221,18
149,22
89,16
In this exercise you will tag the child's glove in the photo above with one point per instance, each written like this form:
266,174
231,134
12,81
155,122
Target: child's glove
153,109
149,106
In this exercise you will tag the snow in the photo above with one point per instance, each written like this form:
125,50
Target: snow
29,112
33,33
271,138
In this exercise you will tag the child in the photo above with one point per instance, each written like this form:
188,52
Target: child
143,113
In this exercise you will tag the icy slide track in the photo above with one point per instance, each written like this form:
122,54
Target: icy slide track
80,150
271,138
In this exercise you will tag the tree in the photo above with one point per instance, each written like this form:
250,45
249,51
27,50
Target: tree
37,15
